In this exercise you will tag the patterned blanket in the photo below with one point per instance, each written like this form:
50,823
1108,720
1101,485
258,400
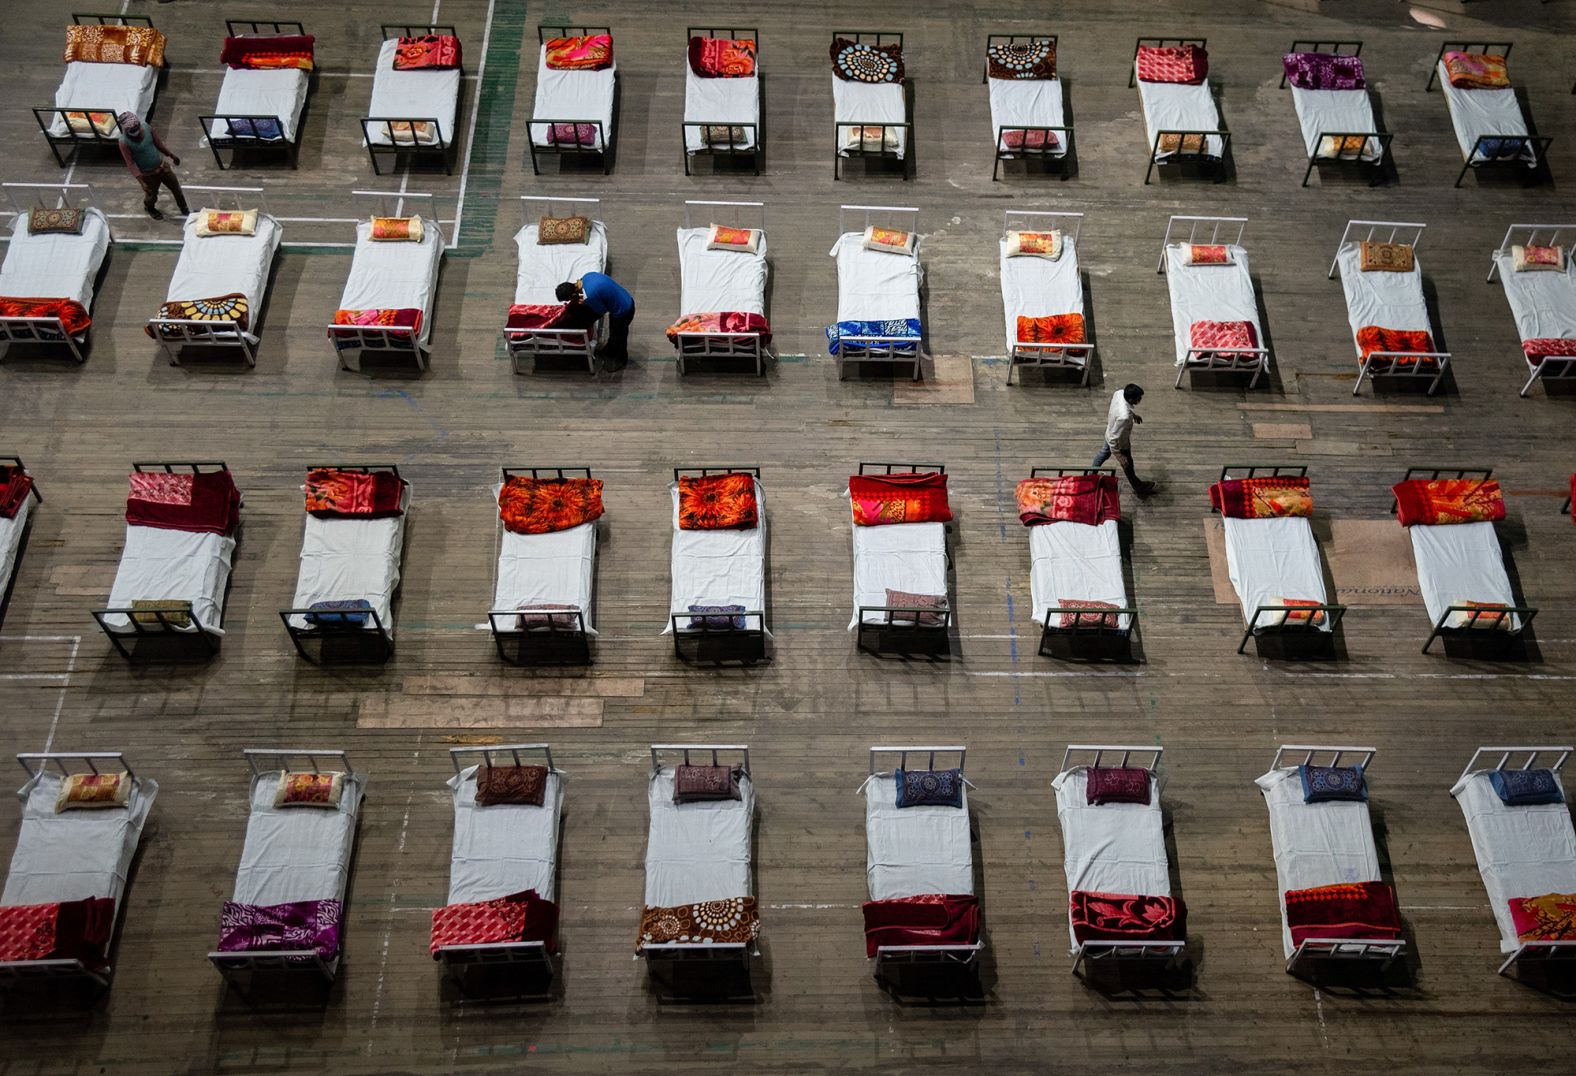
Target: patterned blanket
1261,498
431,52
15,485
72,314
1224,338
73,930
206,503
391,318
1551,917
898,329
1188,64
1476,71
929,919
1127,917
732,919
333,493
141,46
1410,342
301,924
218,309
1538,348
1361,910
1323,71
522,916
269,53
718,502
1090,499
729,321
588,53
908,497
721,57
529,505
1448,500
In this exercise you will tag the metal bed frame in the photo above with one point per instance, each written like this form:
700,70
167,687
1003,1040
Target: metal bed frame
752,131
173,334
1181,155
865,148
1238,360
1062,163
892,350
564,641
723,345
1553,367
1493,620
1023,355
539,344
37,330
1303,628
908,636
231,966
344,624
1544,953
400,339
5,591
1534,149
234,141
92,136
574,149
21,973
1416,364
701,642
1082,632
444,148
163,625
1342,154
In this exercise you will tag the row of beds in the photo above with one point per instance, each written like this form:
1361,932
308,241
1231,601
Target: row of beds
701,853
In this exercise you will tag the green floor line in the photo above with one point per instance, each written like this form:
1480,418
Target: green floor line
489,149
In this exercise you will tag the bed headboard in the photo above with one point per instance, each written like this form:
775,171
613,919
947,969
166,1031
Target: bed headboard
739,214
36,762
1063,472
533,207
392,204
512,750
67,195
1086,754
1262,470
360,468
112,20
238,198
1310,752
727,33
904,218
1226,230
547,30
1433,474
1507,753
1527,235
171,466
882,467
256,27
1392,231
701,472
1485,48
402,29
930,754
1330,48
1027,219
870,37
263,760
545,472
715,751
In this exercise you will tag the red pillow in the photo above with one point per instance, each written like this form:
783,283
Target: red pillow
1117,784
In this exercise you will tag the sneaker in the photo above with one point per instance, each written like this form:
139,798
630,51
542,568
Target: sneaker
1144,489
156,213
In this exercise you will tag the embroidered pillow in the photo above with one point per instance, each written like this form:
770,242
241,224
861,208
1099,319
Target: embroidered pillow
1174,142
692,784
1208,254
1087,620
1276,620
349,612
93,790
1347,148
176,613
571,134
1523,259
890,240
1116,784
1321,783
717,502
525,785
930,788
878,139
309,790
396,229
864,62
717,623
1487,621
1046,245
1385,257
64,221
536,617
551,231
226,222
722,57
1527,788
720,134
898,599
1021,59
744,240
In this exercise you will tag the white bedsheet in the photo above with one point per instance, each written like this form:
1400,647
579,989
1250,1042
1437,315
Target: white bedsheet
221,264
1460,562
870,104
1335,112
1079,562
345,559
11,531
113,88
547,569
721,101
423,94
910,557
1112,847
697,851
585,96
1389,300
1209,293
55,266
296,853
712,281
76,854
540,269
911,851
1521,851
1038,287
245,92
1478,113
1027,102
1173,106
1274,558
725,567
1543,304
1326,843
875,285
395,276
503,848
161,564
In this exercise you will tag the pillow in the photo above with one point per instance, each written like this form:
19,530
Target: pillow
1046,245
396,229
1487,622
1209,254
1523,259
93,790
571,134
692,784
1116,784
744,240
930,788
878,139
226,222
1385,257
1277,620
722,57
717,622
890,240
309,789
535,617
354,610
1087,620
1021,59
720,134
69,222
1176,142
1345,147
551,231
1321,783
864,62
177,614
1526,788
525,785
903,600
101,123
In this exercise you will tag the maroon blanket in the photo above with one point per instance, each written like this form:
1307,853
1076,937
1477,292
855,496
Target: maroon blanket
1084,498
1127,917
334,494
15,485
522,916
902,497
931,919
1363,910
205,503
301,924
73,930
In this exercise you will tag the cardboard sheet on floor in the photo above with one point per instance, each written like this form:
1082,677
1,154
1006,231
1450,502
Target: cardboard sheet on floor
1370,561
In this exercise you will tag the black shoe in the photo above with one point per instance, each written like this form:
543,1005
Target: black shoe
185,212
1144,489
156,213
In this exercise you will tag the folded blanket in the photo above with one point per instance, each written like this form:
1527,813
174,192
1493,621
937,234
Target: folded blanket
908,497
537,316
395,318
71,930
1188,64
431,52
900,328
718,502
1054,329
301,924
332,493
721,57
1225,338
1551,917
929,919
518,917
1363,910
1448,500
731,919
269,53
1537,349
529,505
1323,71
1125,917
15,485
206,503
1090,499
589,53
220,308
72,314
1372,338
728,321
1476,71
1261,498
141,46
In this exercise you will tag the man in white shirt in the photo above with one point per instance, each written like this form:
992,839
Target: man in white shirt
1119,421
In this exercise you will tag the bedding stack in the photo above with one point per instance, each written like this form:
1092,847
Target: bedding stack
721,95
920,869
551,251
393,281
1540,284
1024,94
113,67
1330,95
236,247
722,265
575,81
1270,551
1387,284
1179,108
1043,291
51,263
1483,108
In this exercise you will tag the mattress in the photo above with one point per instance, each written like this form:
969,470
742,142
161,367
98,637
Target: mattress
503,848
221,264
112,88
721,101
55,266
345,559
1078,562
1335,112
412,95
1543,304
1389,300
712,281
547,569
1327,843
245,92
1113,847
1521,851
11,531
541,269
870,104
1210,293
912,851
1027,102
1034,287
726,567
1270,559
395,276
296,853
1479,113
697,851
586,96
1460,562
875,285
911,557
1173,106
161,564
77,854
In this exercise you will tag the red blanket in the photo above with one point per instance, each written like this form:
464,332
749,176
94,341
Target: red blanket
392,318
74,930
1371,338
1126,917
931,919
269,53
332,494
434,51
1551,917
73,316
1448,500
1363,910
730,321
529,505
15,485
906,497
206,503
1539,348
537,316
1261,498
522,916
1090,499
1187,64
1222,337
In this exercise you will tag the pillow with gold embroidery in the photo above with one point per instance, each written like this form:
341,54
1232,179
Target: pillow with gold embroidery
1046,245
1208,254
226,222
69,221
552,231
1523,259
1385,257
890,240
396,230
743,240
175,613
92,790
309,789
525,785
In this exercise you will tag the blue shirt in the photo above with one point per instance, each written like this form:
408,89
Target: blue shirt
604,295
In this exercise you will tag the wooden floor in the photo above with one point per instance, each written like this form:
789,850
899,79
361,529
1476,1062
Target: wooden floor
811,713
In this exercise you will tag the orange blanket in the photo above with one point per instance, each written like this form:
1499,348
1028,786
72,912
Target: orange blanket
1448,500
1371,338
73,317
542,505
1261,498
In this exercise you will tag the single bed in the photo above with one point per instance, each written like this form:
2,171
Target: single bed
1522,851
1382,300
573,110
540,268
721,281
259,108
390,276
1489,125
414,111
910,558
292,855
870,119
879,315
1324,843
1212,294
1543,303
1027,118
714,568
1338,124
1181,120
47,280
722,114
1071,563
545,572
1034,287
13,529
91,96
64,856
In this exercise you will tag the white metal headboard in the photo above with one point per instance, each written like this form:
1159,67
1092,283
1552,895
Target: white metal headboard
65,192
715,749
590,207
905,218
235,195
1100,751
930,754
1394,231
392,204
740,214
1021,217
1219,228
1532,754
36,762
1311,751
513,750
267,759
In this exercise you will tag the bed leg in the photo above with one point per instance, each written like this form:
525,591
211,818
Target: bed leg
76,352
1528,386
1254,381
1437,378
251,356
1362,372
1463,173
53,148
530,145
995,169
373,153
1150,170
1306,175
1182,369
1242,647
1431,637
217,160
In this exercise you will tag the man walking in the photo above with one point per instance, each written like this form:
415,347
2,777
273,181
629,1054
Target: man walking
1118,436
144,153
601,294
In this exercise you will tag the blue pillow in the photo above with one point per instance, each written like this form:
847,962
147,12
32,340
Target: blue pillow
930,788
260,128
716,622
344,613
1320,783
1526,788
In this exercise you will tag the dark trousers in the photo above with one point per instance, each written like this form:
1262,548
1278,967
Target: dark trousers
150,187
1124,459
618,336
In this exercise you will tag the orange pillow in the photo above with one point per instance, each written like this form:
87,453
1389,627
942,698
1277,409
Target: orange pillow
396,229
309,790
85,790
1046,245
1208,254
890,240
1277,619
717,502
744,240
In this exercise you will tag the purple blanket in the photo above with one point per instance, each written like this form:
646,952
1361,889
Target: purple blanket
1323,71
302,924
